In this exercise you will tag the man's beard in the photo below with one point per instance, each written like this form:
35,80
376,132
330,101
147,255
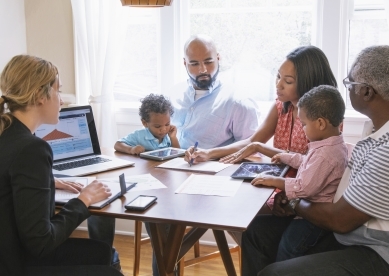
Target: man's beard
204,84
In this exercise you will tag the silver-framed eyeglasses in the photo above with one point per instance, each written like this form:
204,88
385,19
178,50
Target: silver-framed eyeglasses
347,83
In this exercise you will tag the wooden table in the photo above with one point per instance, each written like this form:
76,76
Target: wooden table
181,210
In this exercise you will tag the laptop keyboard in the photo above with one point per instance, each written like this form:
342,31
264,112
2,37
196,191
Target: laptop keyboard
80,163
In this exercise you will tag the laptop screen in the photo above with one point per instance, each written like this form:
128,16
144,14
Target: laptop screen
74,135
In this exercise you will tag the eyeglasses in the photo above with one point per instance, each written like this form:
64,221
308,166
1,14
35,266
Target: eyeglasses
348,83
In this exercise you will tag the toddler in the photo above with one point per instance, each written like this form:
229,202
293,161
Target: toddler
155,112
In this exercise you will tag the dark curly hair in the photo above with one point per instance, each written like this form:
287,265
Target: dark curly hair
325,102
154,103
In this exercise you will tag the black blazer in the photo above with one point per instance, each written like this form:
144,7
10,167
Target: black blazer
29,226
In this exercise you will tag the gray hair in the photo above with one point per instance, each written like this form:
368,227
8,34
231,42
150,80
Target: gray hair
372,67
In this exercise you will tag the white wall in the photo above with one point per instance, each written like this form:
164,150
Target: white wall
49,33
12,30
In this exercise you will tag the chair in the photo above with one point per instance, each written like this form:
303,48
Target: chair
138,241
350,148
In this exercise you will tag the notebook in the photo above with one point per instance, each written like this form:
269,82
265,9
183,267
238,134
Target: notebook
118,188
75,144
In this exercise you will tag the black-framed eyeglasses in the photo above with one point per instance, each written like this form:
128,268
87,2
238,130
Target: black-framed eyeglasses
348,83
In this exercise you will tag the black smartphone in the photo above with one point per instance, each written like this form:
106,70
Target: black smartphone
141,203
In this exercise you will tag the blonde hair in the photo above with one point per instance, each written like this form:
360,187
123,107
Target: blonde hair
24,80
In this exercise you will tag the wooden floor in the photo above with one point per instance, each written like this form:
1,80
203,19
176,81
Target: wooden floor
125,246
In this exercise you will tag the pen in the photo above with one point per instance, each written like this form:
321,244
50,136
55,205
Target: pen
194,149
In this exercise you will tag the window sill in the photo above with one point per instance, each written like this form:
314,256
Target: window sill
133,107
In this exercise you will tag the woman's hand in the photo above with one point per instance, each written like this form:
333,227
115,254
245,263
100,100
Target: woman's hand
198,155
94,192
66,185
137,150
241,154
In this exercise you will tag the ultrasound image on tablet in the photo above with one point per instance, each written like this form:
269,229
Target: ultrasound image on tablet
250,170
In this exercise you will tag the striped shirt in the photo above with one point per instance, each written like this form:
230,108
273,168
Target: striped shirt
365,186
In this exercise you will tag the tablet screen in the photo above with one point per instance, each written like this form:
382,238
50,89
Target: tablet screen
164,153
250,170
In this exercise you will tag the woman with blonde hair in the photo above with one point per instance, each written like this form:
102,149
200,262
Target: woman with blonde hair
33,239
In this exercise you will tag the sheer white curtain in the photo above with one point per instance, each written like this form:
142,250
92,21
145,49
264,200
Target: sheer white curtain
386,5
99,33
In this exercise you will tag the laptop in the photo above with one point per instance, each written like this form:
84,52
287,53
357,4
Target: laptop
75,144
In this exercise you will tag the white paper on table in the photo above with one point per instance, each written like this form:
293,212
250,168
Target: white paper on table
181,164
144,182
63,195
209,185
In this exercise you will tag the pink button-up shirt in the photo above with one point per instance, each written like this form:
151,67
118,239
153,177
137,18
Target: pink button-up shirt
319,172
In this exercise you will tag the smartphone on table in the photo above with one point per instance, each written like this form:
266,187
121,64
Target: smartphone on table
141,203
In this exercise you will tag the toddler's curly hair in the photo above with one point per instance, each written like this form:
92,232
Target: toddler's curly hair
154,103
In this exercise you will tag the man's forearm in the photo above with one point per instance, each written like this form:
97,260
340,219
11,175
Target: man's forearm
339,217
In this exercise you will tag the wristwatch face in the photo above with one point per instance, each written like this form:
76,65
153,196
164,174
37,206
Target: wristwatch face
293,202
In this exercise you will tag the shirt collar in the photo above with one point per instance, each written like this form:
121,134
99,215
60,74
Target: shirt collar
149,136
215,85
380,132
333,140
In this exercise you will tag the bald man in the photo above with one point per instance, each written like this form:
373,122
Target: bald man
209,112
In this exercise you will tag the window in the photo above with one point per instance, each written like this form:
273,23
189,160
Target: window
253,38
138,74
368,26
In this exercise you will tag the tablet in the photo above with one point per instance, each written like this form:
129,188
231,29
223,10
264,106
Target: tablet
250,170
163,154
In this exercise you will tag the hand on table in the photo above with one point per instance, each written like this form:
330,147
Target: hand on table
94,192
198,155
241,154
136,150
71,186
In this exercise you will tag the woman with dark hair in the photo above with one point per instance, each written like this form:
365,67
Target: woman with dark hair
304,68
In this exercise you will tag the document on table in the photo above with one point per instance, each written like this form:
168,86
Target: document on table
116,187
63,196
209,185
144,182
181,164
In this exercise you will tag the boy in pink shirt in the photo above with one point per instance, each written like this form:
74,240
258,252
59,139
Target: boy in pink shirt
321,111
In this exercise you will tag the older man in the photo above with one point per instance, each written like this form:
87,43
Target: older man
359,215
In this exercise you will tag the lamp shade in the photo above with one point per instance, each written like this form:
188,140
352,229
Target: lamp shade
147,3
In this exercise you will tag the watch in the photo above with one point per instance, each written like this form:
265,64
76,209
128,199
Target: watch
293,202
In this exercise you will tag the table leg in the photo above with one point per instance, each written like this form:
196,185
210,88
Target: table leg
222,244
166,253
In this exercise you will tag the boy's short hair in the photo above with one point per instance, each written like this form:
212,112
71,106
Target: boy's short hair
154,103
323,101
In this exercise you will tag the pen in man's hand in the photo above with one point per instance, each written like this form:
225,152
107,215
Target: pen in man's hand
192,159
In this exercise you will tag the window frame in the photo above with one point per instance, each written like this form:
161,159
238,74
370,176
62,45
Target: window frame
330,32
